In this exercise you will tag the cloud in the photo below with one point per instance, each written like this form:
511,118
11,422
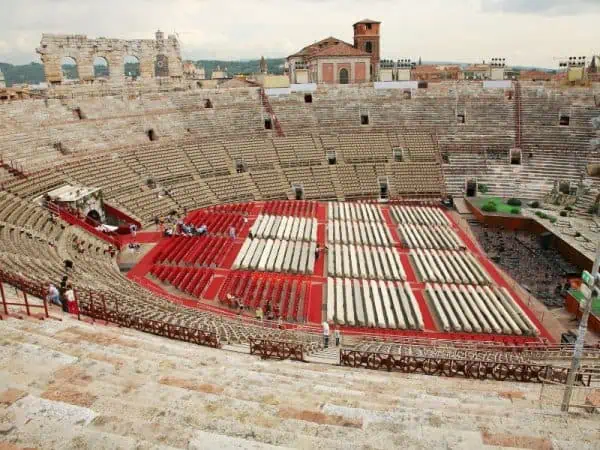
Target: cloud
436,30
542,7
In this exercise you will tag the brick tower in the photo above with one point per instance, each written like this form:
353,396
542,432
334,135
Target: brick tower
366,38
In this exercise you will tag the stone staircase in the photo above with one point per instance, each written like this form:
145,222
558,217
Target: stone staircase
70,384
330,355
585,202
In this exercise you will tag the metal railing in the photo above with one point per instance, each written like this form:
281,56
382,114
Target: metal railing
26,288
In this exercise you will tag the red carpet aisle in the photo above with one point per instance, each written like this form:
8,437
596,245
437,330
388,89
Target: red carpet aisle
427,318
390,224
315,302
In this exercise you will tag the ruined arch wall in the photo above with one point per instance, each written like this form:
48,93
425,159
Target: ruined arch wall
54,47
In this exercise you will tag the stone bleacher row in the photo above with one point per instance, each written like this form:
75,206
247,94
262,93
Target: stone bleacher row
365,233
449,267
277,256
365,262
116,122
372,303
288,295
429,236
285,227
191,280
478,309
200,251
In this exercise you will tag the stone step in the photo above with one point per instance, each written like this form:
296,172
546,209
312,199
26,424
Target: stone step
109,387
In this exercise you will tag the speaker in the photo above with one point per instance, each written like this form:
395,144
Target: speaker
546,240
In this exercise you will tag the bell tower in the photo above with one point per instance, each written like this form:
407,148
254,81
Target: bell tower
366,39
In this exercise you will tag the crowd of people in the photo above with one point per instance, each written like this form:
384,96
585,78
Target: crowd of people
173,226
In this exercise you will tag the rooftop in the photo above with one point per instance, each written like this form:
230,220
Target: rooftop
330,46
366,21
70,193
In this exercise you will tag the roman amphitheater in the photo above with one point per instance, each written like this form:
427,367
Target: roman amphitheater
210,227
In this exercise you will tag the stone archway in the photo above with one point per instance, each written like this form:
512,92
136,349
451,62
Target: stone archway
101,67
131,67
344,76
69,68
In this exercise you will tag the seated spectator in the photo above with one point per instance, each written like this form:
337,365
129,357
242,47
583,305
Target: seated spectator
229,298
202,230
53,295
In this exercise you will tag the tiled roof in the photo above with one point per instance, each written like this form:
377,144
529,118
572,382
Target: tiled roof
330,47
426,68
342,49
477,67
313,48
367,21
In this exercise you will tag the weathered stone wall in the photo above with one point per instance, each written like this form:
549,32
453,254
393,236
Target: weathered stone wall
54,47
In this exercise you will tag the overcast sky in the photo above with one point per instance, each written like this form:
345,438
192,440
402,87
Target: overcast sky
523,31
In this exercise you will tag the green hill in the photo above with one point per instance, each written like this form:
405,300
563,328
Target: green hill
28,73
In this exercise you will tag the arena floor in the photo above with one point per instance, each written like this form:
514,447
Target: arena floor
404,292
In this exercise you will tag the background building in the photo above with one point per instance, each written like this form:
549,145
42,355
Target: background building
333,61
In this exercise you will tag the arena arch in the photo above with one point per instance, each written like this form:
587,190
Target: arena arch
165,51
101,68
131,67
94,216
69,68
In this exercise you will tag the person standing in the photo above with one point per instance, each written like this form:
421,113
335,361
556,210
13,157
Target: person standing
62,291
326,334
71,301
336,335
232,233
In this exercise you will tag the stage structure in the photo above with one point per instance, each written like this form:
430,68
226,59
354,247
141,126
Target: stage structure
88,201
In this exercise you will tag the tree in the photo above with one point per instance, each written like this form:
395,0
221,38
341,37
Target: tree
420,62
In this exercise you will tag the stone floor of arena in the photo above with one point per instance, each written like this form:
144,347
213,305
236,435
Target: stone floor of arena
70,384
203,271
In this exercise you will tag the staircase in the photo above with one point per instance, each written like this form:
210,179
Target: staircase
15,169
337,185
585,202
330,355
518,111
71,384
269,109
